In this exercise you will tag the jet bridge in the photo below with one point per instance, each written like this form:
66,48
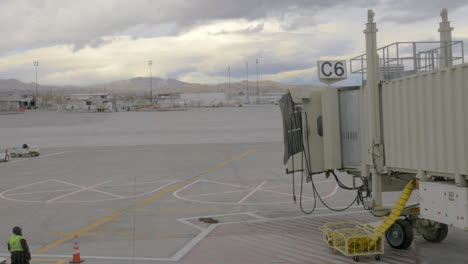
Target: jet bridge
408,121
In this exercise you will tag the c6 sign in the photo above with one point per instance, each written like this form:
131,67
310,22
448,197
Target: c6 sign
331,70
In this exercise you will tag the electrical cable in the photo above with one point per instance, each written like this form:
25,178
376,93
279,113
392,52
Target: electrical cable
290,145
342,185
326,205
294,188
295,127
306,156
300,198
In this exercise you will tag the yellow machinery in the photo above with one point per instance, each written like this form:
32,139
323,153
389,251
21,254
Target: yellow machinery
357,239
353,239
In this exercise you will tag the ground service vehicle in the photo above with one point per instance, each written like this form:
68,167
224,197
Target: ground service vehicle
24,150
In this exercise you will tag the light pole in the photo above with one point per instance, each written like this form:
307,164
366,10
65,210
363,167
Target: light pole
36,64
257,80
247,72
229,85
150,62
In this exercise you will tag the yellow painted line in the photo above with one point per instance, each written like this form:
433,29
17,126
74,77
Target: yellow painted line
139,203
56,261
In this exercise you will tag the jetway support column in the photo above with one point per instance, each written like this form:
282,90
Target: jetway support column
373,79
445,40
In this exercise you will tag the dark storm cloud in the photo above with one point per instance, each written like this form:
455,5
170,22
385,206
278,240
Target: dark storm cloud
197,39
29,24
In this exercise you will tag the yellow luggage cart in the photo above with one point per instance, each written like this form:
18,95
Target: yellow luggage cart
352,239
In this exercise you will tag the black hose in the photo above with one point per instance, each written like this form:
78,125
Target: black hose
326,205
342,185
300,198
306,156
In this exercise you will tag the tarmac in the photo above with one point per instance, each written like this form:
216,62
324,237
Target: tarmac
133,185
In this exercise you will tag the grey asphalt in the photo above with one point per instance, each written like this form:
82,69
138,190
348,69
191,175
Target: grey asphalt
136,183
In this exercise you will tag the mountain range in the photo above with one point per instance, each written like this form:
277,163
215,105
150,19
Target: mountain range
141,85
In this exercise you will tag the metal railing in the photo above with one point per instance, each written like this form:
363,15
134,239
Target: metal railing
405,58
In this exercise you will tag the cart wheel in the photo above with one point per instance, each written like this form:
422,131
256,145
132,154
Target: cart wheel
13,155
377,257
437,235
356,258
400,234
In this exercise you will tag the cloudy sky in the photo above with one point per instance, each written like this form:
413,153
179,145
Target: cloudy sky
96,41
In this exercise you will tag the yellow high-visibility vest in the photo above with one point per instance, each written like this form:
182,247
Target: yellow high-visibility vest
15,243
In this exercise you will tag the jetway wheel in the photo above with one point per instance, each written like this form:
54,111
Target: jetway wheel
436,235
400,234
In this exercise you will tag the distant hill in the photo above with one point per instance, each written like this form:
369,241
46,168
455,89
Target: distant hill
140,85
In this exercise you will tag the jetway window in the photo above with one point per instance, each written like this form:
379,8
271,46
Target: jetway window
350,127
320,126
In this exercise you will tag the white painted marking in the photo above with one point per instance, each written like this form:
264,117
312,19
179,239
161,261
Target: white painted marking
228,184
22,186
176,257
85,201
292,217
136,183
263,219
254,215
48,191
185,221
181,253
69,183
91,189
77,191
187,198
252,192
176,193
215,193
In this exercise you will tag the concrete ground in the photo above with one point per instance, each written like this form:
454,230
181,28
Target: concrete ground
133,186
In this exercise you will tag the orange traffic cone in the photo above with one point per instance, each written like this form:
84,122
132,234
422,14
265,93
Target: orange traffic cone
76,251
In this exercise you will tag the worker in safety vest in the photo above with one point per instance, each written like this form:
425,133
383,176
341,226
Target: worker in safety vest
18,247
